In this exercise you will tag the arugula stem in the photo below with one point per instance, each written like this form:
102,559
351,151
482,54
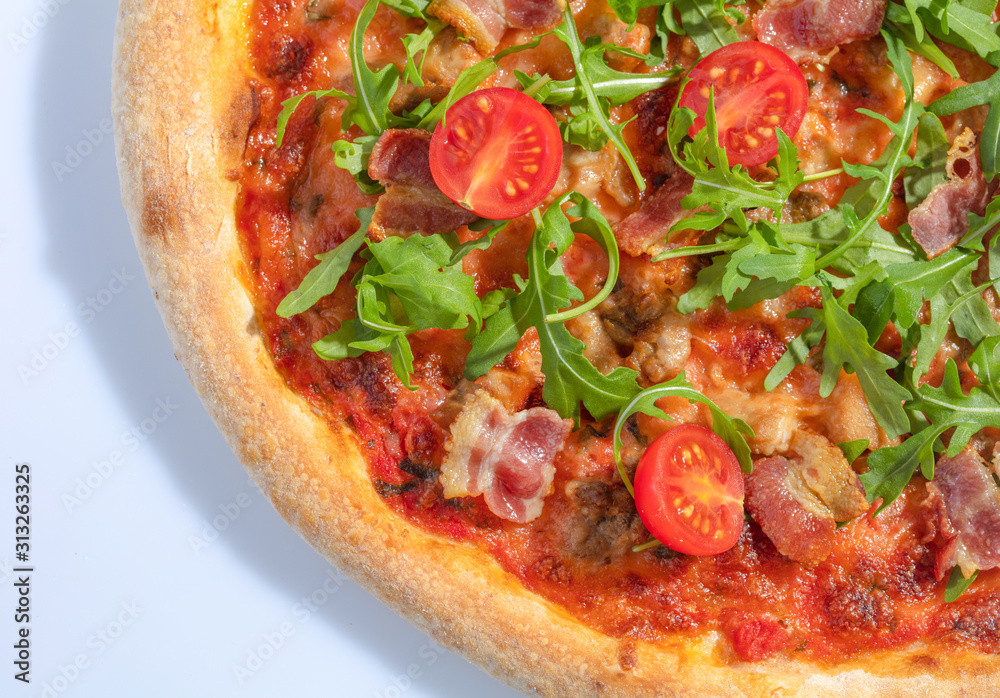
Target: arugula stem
822,175
573,44
700,249
537,217
909,117
532,89
651,543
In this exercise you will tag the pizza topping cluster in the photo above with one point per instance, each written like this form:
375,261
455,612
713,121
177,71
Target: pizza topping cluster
788,243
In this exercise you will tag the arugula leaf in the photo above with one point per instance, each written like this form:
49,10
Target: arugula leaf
884,172
911,30
432,293
798,349
705,21
971,317
418,44
984,92
946,407
985,363
480,243
957,584
354,157
915,281
593,224
583,129
847,347
324,277
890,468
949,406
852,450
628,10
373,90
408,284
466,82
933,334
955,23
874,307
730,429
570,379
415,9
613,85
930,161
289,106
599,106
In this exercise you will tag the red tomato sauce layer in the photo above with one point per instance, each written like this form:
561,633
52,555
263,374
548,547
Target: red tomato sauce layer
876,590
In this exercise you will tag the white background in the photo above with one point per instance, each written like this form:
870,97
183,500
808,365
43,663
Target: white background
159,570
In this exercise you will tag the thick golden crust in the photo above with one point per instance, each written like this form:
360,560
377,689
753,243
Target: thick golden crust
182,106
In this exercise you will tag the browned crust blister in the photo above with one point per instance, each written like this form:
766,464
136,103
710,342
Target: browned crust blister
182,107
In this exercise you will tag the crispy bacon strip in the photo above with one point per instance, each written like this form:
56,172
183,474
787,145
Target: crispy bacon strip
507,458
972,506
485,21
802,27
797,502
645,230
412,202
941,220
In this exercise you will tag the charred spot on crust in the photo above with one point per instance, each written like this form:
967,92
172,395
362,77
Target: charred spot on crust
158,217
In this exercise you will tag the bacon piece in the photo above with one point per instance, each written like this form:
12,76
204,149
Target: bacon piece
645,230
941,220
485,21
972,502
797,502
412,202
828,475
798,524
507,458
800,28
402,156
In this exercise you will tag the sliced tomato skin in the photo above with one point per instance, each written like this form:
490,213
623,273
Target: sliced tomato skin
758,88
496,153
689,476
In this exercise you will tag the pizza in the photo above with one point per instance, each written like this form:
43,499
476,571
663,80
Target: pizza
627,348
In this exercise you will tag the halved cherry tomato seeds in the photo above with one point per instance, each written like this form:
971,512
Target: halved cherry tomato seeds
689,491
758,89
497,153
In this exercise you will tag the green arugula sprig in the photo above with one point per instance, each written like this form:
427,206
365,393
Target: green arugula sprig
984,92
598,106
407,285
570,379
732,430
707,22
956,22
615,86
940,409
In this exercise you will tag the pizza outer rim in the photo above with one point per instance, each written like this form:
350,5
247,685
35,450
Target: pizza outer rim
182,107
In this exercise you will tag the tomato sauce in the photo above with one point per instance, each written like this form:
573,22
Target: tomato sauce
876,590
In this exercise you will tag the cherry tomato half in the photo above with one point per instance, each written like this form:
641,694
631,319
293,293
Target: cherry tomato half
758,88
497,153
689,491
